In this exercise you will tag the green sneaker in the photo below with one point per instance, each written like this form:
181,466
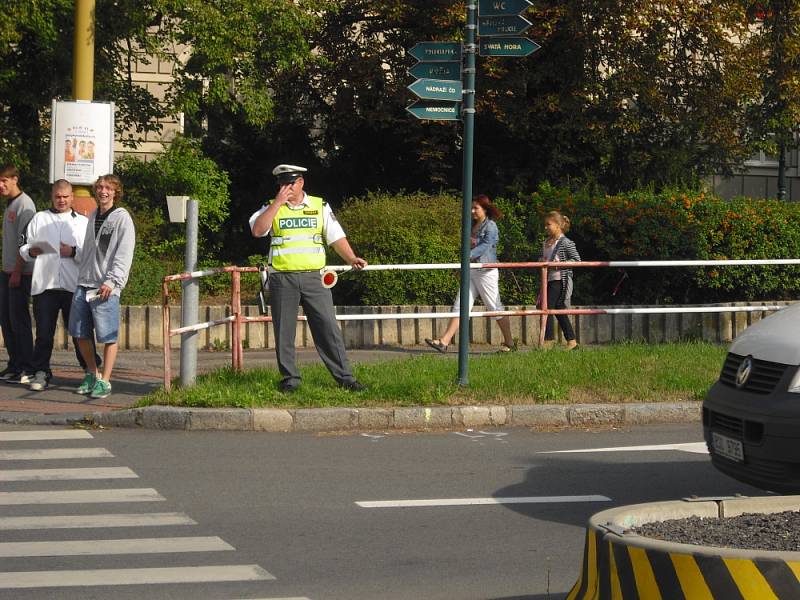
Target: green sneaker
101,389
86,385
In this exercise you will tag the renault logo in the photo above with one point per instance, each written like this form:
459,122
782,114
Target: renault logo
743,373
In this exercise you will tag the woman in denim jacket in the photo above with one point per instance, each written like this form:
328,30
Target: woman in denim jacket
482,282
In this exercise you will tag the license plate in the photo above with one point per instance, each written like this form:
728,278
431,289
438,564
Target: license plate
727,447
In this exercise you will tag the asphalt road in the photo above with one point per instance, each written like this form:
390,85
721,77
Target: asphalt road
277,515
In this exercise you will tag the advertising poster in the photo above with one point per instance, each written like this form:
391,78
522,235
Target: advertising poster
82,141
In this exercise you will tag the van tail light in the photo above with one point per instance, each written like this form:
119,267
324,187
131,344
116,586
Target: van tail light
794,384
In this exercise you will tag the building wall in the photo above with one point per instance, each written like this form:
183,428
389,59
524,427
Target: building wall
155,75
759,179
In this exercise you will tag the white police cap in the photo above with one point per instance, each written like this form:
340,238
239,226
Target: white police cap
288,173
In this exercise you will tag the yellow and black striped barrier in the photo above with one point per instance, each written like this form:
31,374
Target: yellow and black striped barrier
620,565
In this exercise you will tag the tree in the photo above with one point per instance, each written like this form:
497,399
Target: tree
236,49
36,40
623,94
773,120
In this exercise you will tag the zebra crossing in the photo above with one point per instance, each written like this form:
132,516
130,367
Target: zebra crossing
34,524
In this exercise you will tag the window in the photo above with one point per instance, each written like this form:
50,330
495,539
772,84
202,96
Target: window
762,159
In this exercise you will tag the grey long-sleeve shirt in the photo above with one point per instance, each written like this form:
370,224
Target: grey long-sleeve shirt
16,217
107,257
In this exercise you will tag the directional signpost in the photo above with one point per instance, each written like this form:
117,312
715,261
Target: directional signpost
503,25
443,97
503,7
437,89
437,70
507,46
439,81
437,51
437,110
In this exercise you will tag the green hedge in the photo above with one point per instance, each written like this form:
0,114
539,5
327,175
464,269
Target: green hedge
641,225
395,229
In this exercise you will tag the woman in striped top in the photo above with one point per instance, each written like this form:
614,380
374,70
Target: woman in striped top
559,248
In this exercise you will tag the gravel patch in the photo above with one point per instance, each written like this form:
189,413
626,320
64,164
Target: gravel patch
750,531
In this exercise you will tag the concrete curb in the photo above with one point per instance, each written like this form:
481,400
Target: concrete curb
619,563
403,418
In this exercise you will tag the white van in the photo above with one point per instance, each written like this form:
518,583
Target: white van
751,415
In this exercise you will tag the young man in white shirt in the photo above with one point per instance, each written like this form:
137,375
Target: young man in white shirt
54,243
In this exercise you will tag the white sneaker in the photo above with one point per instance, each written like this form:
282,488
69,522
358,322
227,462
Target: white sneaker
25,379
38,382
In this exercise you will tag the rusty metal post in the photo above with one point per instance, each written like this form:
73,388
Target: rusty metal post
543,318
236,324
167,346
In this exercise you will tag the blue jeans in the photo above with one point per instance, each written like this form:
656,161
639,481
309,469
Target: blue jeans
15,322
98,319
46,307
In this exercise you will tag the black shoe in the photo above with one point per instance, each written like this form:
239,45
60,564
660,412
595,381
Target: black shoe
288,386
17,377
353,386
436,345
9,373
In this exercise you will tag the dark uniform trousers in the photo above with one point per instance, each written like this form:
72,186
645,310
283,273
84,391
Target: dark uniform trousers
15,322
288,291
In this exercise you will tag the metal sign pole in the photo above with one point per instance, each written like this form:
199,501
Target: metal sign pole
470,49
190,299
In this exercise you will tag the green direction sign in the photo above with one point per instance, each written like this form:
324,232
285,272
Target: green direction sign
436,70
502,7
437,51
437,110
514,25
437,89
507,46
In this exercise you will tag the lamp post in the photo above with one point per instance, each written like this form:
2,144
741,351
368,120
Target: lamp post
468,112
183,208
782,171
83,81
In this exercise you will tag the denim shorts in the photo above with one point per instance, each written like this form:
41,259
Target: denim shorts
98,319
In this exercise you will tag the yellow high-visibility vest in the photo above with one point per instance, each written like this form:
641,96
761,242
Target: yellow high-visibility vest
297,243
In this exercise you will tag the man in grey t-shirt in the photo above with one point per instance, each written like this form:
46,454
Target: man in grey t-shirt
15,280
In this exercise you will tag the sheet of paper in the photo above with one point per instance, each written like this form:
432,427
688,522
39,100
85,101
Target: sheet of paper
45,246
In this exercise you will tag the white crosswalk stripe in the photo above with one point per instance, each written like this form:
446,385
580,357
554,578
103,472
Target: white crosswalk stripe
98,546
55,454
81,496
92,577
126,546
66,474
96,521
55,434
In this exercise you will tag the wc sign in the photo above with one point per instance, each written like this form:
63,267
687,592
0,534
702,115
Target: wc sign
503,7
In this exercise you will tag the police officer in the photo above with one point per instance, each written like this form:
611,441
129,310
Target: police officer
299,226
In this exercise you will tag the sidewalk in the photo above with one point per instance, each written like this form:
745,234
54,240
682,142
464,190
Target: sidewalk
136,374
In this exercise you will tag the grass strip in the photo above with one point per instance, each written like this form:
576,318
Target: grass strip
627,372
